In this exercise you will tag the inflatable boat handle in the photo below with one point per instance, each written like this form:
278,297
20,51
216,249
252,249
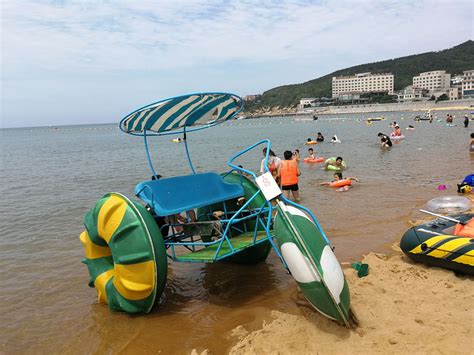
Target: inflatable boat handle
443,217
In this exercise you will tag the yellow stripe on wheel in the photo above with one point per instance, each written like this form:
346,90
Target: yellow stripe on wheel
93,251
135,281
110,216
100,283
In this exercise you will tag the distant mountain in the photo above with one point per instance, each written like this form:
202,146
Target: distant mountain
453,60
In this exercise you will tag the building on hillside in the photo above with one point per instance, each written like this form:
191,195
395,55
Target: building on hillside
307,102
434,81
456,79
362,83
468,84
252,97
455,92
411,93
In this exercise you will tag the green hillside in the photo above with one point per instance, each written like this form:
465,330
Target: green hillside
453,60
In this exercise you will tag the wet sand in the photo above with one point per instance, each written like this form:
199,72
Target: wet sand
402,308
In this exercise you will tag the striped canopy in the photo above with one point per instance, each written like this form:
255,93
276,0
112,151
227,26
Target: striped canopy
201,109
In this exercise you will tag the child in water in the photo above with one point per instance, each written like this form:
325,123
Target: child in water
296,155
337,177
311,153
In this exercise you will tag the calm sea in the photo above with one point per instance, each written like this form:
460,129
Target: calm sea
51,176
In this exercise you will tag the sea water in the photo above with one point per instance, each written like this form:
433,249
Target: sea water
51,176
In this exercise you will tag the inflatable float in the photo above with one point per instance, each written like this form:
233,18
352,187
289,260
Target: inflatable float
375,119
449,204
333,167
311,142
314,160
443,242
396,138
341,183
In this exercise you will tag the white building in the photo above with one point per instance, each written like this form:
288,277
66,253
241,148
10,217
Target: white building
305,102
411,93
468,84
433,81
456,79
362,83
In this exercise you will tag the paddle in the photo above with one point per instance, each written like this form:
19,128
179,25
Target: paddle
444,217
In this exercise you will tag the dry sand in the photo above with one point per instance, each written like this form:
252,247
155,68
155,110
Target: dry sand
402,308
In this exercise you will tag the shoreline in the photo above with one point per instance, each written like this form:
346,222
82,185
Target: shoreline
467,104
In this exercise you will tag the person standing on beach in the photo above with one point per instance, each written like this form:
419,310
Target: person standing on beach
466,121
288,173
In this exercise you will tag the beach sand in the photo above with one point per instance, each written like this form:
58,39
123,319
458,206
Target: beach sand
402,307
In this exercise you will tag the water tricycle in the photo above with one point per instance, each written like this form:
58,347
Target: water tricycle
205,217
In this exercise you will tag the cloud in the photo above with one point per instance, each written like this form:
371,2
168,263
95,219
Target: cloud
113,42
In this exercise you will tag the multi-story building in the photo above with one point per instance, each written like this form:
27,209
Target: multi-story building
468,84
362,83
252,97
455,92
411,93
434,81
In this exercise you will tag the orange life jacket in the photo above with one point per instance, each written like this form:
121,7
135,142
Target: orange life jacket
466,230
289,172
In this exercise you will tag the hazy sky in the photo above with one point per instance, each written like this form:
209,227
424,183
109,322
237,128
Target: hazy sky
72,62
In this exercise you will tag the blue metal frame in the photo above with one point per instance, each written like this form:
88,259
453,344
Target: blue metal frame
262,215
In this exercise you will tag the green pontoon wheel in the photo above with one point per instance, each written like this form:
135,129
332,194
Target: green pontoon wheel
125,254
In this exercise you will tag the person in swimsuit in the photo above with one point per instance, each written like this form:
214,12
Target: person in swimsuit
385,141
311,153
273,163
320,137
396,132
337,177
288,173
296,155
336,164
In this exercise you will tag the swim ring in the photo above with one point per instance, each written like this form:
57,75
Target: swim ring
396,138
314,160
311,142
177,140
332,167
341,183
449,204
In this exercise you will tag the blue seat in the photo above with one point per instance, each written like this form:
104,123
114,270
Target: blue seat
182,193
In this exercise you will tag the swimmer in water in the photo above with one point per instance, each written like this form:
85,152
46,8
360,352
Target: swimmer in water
338,177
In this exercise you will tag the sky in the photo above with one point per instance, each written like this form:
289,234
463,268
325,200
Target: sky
81,62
